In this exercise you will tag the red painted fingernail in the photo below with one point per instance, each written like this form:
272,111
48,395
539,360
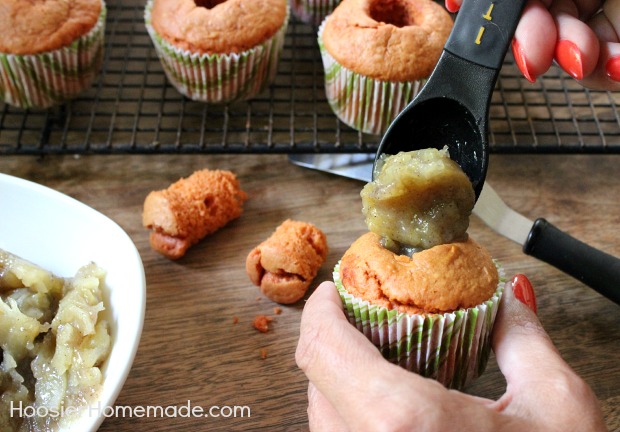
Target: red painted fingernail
522,288
452,6
519,56
568,56
613,68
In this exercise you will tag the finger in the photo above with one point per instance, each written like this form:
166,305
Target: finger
453,5
346,367
534,42
606,25
577,49
606,75
611,11
330,350
328,341
322,416
541,386
587,8
337,358
522,347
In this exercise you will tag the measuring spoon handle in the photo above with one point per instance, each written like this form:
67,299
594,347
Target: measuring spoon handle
483,29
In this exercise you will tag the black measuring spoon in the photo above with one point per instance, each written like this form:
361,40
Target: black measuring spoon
452,109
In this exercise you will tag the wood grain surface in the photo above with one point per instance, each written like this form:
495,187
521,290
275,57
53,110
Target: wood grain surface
194,351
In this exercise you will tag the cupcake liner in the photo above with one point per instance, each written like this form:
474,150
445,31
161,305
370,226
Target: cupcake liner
452,348
219,78
313,11
361,102
52,77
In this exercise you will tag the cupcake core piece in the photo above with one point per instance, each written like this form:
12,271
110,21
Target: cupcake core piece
284,265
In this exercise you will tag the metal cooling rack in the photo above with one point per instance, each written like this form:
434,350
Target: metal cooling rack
132,109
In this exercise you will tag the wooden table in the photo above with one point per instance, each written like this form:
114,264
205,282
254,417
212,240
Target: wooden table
192,351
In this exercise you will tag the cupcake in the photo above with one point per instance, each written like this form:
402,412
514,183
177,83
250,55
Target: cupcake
313,11
377,54
218,51
417,285
50,51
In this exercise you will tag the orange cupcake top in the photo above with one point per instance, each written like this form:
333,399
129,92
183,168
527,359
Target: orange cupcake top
441,279
389,40
33,27
216,26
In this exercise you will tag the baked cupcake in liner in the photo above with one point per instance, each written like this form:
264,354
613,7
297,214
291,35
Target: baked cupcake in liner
313,11
219,78
50,78
452,348
361,102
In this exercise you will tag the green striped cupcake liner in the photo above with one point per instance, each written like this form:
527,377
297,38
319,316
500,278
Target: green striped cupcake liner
452,348
53,77
218,78
313,11
363,103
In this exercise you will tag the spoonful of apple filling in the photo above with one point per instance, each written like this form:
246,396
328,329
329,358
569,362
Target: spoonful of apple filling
417,200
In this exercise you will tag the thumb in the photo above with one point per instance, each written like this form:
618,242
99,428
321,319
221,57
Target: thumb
523,349
541,387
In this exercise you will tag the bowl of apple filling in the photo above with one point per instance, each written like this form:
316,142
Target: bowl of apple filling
72,302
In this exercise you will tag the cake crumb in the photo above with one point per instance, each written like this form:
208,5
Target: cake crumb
277,310
261,323
263,353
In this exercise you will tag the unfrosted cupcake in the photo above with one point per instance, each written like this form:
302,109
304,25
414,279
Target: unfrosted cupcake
377,54
420,313
50,51
313,11
418,286
218,51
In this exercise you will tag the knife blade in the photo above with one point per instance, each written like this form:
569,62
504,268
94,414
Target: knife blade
539,238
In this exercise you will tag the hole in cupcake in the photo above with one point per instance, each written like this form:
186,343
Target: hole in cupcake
390,12
209,4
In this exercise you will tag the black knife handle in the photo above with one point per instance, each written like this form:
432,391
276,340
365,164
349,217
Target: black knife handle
591,266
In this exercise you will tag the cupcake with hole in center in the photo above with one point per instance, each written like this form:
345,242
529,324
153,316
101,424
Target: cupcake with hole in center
377,54
218,51
417,285
50,51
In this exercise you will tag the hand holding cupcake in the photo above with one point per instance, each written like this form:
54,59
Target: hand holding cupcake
422,294
353,388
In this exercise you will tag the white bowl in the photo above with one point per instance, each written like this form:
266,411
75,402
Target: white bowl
61,235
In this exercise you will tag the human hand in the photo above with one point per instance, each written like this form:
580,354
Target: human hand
582,36
352,387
